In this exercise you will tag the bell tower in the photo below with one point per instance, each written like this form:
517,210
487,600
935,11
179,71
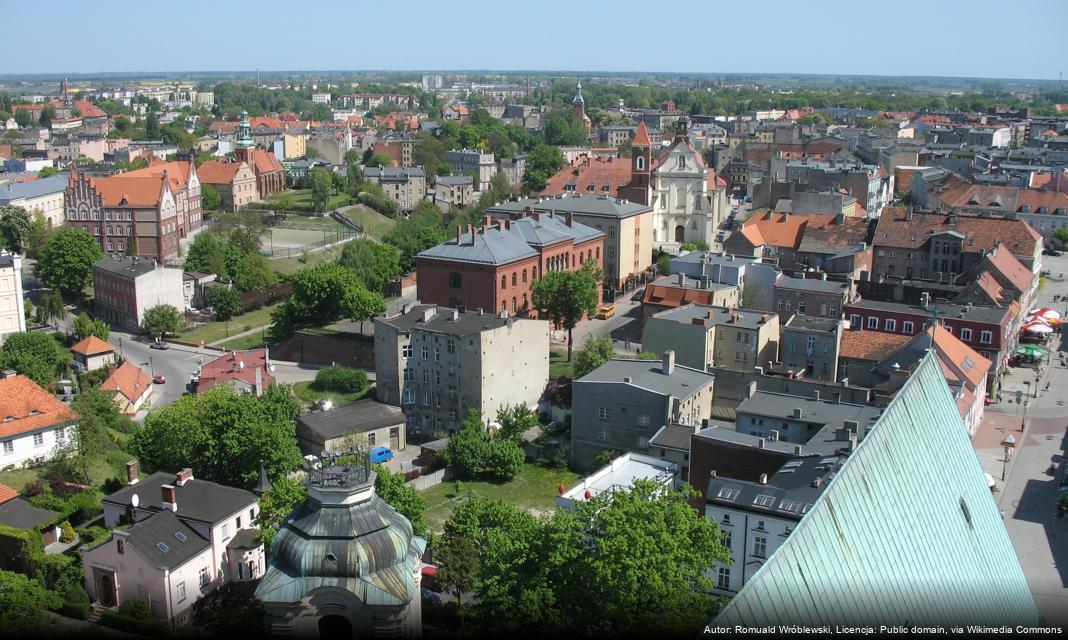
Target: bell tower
578,110
244,144
637,190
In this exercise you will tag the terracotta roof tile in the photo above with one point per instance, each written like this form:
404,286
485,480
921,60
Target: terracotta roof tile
671,297
641,137
895,230
875,346
91,346
129,380
228,367
177,172
137,191
779,229
265,162
7,493
216,172
614,172
30,407
965,363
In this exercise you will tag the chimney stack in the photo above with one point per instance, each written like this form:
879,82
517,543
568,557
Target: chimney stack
760,443
712,473
131,472
797,450
763,478
184,476
669,362
170,497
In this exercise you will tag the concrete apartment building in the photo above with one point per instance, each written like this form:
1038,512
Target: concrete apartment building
454,191
811,296
407,186
473,161
436,363
811,421
674,291
126,287
707,337
187,538
44,195
811,345
12,303
627,228
623,403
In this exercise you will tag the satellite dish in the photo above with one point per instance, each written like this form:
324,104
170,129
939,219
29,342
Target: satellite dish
135,500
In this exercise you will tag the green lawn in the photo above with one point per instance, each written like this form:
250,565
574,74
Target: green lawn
245,342
558,364
310,222
213,331
289,266
109,464
374,223
534,489
302,198
307,392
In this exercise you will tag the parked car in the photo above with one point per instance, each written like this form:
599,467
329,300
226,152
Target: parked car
1052,252
606,311
162,346
430,577
431,597
159,379
638,295
381,454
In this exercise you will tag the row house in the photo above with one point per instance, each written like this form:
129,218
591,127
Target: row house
940,246
406,186
125,287
712,337
185,185
465,272
811,296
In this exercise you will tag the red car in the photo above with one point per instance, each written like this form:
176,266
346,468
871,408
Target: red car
159,379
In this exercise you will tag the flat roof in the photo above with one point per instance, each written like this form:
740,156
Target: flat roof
649,374
746,319
602,205
621,473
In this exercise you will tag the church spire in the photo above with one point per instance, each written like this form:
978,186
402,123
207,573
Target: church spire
578,94
244,137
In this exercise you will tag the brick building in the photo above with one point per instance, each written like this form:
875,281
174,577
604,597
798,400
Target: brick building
492,267
126,287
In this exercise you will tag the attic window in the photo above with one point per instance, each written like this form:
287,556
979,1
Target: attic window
331,557
180,536
790,505
162,547
727,494
968,364
764,501
805,509
8,419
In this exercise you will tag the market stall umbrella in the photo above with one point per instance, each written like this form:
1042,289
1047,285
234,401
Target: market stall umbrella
1046,312
1037,327
1031,351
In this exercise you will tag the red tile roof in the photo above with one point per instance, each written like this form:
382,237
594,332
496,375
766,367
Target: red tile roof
662,295
136,191
216,172
614,172
641,137
92,346
895,230
7,493
129,380
781,230
1057,181
29,407
965,363
89,110
875,346
264,122
228,367
265,162
1010,269
177,172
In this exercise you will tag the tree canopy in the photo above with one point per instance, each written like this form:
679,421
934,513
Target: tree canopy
373,263
35,355
223,435
596,351
16,225
322,294
564,297
65,262
542,163
476,454
161,320
423,229
85,326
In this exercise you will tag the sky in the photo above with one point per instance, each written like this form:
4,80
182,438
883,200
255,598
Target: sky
970,38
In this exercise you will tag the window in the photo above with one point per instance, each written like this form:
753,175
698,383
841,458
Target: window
119,546
873,322
966,334
409,375
9,446
603,413
425,352
727,494
779,304
854,320
801,306
643,421
603,435
181,591
38,439
907,327
61,435
203,576
788,305
985,337
426,398
760,546
515,279
524,276
727,539
890,324
504,282
407,351
225,531
370,439
764,501
456,280
723,580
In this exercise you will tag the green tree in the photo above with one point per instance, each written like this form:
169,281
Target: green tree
48,114
152,130
65,261
51,307
321,188
663,264
373,263
564,297
341,379
97,411
23,118
35,355
254,273
1062,235
15,228
23,601
223,435
47,172
210,200
276,504
322,294
85,326
162,319
458,558
515,420
592,354
378,160
542,163
206,254
38,235
476,454
408,501
423,229
225,301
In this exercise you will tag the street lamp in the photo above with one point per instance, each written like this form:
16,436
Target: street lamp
1005,460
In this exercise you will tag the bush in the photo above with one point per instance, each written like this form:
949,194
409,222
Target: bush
67,532
137,609
94,535
153,627
73,610
341,379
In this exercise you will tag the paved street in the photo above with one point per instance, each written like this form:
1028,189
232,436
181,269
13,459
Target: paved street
1028,495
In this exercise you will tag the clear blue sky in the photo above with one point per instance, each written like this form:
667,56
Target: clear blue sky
978,38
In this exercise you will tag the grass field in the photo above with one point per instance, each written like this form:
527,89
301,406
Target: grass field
245,342
314,223
289,266
213,331
558,364
302,199
374,223
281,238
306,392
534,489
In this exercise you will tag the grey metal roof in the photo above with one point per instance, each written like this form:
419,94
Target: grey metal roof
20,514
603,206
147,536
787,493
32,188
393,173
811,284
129,267
453,181
947,311
466,323
726,433
492,246
649,374
673,436
811,323
830,415
724,260
355,417
200,500
745,319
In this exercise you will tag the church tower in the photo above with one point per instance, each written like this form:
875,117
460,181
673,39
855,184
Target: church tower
244,146
578,110
637,190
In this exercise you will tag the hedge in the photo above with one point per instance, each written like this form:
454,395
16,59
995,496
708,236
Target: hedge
20,549
341,379
72,610
151,627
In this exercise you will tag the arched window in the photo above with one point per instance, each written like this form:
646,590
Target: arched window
534,272
504,282
639,163
515,278
504,306
598,253
524,301
524,276
513,304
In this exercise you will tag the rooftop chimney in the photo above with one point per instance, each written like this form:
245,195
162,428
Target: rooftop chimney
797,449
669,363
429,313
763,478
170,497
797,412
131,472
626,379
774,435
712,473
760,443
184,476
816,395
